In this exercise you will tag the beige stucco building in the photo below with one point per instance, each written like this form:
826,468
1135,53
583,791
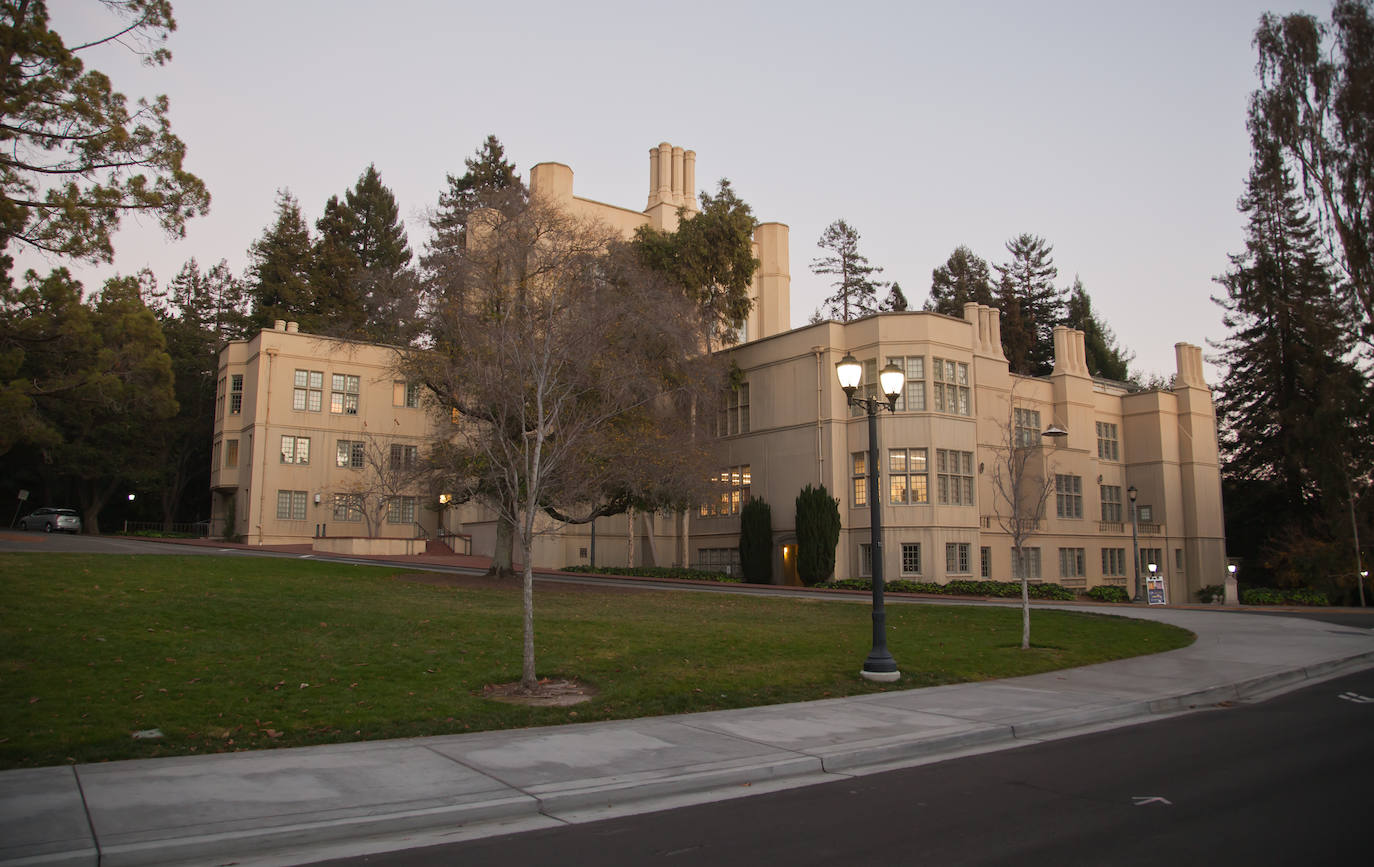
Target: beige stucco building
786,426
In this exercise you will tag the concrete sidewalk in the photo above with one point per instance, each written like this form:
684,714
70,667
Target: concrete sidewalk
296,805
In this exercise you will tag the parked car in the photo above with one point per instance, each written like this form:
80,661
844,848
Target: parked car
49,519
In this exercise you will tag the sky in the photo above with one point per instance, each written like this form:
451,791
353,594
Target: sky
1116,131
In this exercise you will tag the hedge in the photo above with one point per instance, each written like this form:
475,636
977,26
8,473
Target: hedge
675,572
1001,589
1274,596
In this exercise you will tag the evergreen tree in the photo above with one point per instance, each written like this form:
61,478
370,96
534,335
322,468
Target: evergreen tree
1104,357
756,542
281,263
487,173
362,281
855,289
711,256
896,300
1031,305
1294,406
818,532
963,278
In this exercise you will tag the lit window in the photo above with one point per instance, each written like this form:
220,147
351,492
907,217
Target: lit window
231,453
343,396
348,507
859,478
732,492
908,476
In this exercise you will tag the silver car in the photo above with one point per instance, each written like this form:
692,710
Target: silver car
48,519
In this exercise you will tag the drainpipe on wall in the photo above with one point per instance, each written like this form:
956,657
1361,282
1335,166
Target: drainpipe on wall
271,352
820,392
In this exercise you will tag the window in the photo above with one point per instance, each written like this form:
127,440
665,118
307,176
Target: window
219,398
1111,502
308,391
343,397
400,510
951,387
1071,563
1027,427
908,476
291,505
865,559
404,457
913,397
956,558
214,455
985,562
911,558
1178,559
954,475
732,486
348,507
1028,565
1068,496
405,394
350,455
231,453
295,450
1113,562
1148,556
236,394
719,560
859,478
1145,514
733,416
1108,447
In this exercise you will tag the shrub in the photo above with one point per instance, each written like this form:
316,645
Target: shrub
1106,593
756,542
818,532
1000,589
1291,596
1211,593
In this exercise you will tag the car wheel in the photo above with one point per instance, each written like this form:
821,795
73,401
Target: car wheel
47,528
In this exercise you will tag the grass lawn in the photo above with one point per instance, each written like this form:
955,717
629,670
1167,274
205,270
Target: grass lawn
239,653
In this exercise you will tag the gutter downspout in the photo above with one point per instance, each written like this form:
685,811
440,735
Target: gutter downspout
271,353
820,392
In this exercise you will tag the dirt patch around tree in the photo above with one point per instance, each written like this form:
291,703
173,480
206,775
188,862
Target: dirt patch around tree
547,693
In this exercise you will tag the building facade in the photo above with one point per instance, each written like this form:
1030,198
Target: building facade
786,425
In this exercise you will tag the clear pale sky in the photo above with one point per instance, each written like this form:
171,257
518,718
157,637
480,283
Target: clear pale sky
1114,130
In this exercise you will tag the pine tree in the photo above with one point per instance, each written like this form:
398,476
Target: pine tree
1104,357
896,300
1294,405
280,268
363,282
1027,282
963,278
855,289
487,173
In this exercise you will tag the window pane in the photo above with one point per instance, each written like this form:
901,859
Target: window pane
898,487
917,459
896,461
919,494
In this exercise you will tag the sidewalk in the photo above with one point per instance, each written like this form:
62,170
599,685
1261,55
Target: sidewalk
296,805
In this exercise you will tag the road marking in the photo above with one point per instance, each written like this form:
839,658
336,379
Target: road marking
1143,800
1356,698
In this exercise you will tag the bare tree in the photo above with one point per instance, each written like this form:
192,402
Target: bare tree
1022,484
566,365
391,472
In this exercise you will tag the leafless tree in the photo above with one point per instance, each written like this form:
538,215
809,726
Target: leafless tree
566,366
390,470
1022,483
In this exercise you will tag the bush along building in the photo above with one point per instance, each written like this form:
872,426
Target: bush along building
315,438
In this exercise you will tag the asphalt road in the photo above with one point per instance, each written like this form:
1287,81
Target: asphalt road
1286,781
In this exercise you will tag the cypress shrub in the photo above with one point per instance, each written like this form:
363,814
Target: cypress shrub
818,532
756,542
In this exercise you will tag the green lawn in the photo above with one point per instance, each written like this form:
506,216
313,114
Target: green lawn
245,653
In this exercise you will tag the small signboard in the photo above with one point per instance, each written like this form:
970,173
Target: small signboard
1154,590
23,495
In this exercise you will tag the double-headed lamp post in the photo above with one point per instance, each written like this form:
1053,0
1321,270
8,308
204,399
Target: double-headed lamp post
1132,493
879,665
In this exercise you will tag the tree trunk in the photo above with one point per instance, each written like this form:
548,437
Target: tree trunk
630,538
528,681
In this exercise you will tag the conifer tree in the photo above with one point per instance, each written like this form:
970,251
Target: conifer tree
1294,405
896,300
1104,357
280,267
855,289
487,173
963,278
1031,305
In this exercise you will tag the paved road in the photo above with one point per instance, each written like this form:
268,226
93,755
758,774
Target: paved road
1285,781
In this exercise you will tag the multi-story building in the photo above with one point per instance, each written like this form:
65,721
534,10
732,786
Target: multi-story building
786,425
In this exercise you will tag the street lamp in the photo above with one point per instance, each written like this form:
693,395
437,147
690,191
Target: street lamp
879,665
1153,567
1135,545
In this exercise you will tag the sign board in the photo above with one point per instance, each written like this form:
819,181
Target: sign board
23,495
1154,590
